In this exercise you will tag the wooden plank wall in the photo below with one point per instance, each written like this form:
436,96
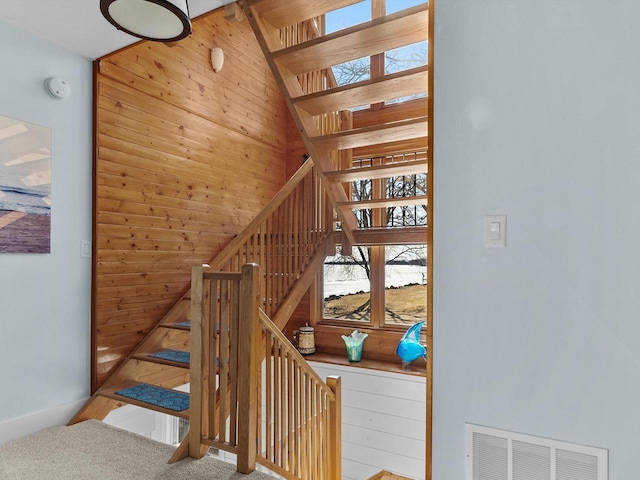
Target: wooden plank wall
185,158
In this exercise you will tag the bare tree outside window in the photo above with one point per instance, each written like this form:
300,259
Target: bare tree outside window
347,278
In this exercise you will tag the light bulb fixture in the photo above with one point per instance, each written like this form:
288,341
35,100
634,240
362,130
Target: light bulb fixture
217,59
156,20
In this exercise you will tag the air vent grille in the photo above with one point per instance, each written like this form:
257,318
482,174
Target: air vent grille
492,460
576,466
531,461
494,454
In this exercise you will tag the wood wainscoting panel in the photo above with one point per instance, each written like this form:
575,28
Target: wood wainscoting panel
185,158
383,422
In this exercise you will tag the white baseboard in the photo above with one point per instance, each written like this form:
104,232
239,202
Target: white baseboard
23,426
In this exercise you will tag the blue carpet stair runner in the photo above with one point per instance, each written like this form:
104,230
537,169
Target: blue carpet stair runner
173,356
158,396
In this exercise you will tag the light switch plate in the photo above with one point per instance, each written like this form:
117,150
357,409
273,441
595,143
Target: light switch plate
85,249
495,231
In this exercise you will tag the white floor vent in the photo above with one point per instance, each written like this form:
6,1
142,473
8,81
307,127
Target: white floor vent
494,454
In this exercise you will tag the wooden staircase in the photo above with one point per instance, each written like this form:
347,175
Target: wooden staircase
287,239
291,236
300,56
141,368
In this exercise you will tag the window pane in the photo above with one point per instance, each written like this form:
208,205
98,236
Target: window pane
362,190
348,16
353,71
407,186
405,58
394,6
405,284
347,287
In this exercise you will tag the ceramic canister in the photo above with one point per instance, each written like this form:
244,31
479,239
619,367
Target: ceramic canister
306,340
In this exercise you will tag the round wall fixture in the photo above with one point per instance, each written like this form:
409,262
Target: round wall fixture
217,59
57,88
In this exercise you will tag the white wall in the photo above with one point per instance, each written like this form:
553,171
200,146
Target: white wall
537,116
45,299
383,421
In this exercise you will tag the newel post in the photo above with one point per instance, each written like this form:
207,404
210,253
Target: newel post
196,363
335,433
248,368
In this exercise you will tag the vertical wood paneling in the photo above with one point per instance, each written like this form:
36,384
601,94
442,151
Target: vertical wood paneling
185,158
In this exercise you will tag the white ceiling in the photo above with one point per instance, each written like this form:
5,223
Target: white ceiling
78,25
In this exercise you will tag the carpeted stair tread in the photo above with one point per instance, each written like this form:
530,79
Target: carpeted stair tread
173,356
158,396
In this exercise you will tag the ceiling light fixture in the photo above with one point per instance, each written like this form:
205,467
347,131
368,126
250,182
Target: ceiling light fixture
157,20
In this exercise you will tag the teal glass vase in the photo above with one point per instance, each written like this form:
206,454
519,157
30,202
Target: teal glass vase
354,345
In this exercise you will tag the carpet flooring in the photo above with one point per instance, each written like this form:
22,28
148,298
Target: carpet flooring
93,450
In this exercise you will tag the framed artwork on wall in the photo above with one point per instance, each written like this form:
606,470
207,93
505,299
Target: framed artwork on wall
25,187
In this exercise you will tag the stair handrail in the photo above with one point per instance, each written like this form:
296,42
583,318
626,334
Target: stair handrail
219,261
252,393
284,237
301,419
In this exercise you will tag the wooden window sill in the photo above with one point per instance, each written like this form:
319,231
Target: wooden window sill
417,368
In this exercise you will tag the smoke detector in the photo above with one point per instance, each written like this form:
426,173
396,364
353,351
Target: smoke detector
57,88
